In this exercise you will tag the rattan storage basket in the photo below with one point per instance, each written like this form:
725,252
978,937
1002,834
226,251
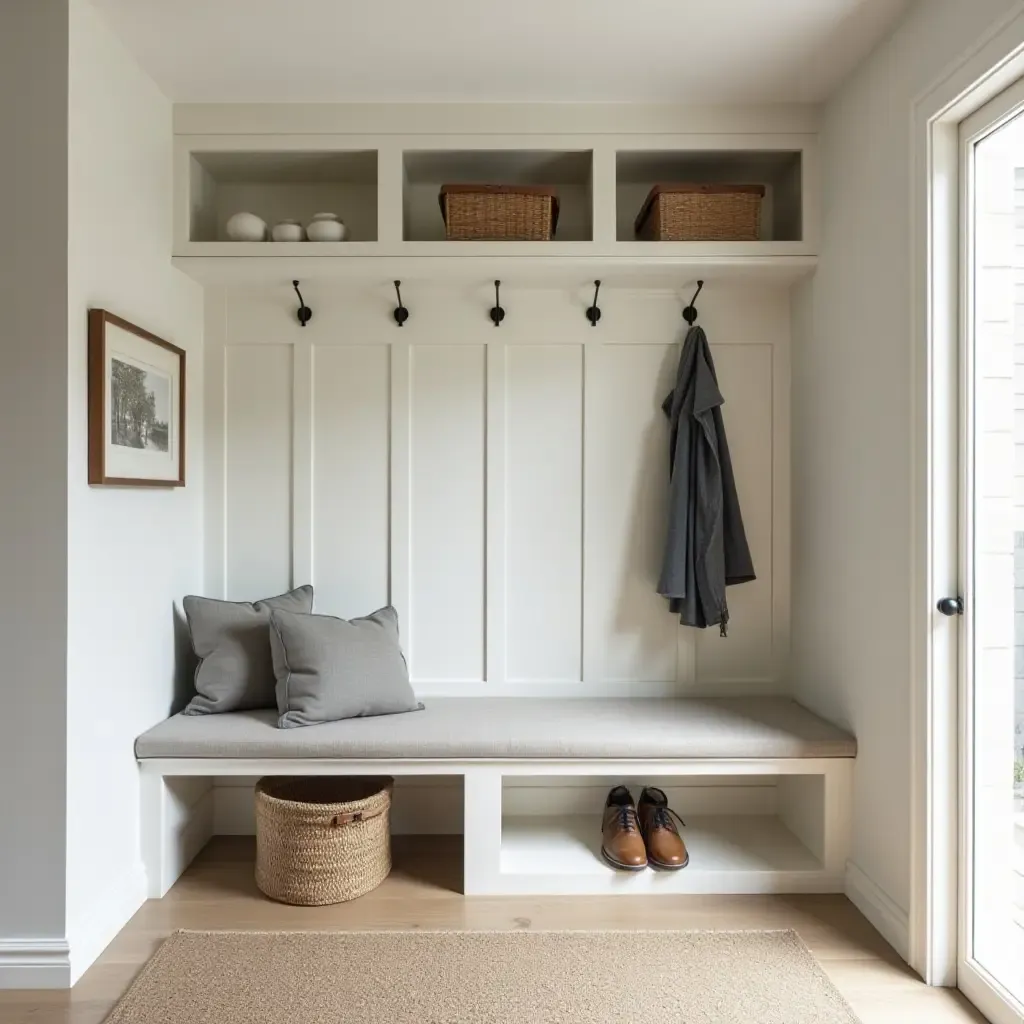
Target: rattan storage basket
322,839
701,213
504,213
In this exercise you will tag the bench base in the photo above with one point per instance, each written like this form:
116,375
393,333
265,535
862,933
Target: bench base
802,847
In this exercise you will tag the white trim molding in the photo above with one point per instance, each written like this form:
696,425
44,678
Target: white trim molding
889,919
459,119
107,914
35,964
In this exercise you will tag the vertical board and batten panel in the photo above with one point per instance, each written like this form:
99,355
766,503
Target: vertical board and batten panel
447,501
543,512
505,489
351,429
257,470
626,502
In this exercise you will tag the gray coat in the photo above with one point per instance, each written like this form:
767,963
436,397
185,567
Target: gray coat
706,547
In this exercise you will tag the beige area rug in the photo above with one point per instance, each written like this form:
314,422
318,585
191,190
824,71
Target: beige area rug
482,978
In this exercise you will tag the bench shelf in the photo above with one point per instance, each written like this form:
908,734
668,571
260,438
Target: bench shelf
774,818
728,854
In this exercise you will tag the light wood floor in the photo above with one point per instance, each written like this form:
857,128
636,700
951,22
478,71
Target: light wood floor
218,893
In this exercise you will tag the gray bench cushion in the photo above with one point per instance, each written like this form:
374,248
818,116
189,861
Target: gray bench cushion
517,727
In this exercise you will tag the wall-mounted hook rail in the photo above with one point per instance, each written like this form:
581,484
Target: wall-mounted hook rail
401,313
593,313
304,313
690,311
497,313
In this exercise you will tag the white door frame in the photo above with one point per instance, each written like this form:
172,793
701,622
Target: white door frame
991,67
978,984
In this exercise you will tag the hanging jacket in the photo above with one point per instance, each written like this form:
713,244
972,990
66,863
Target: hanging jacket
706,546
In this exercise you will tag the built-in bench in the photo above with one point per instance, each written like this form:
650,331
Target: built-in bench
800,846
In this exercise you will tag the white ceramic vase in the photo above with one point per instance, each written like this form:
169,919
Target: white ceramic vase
325,227
288,231
247,227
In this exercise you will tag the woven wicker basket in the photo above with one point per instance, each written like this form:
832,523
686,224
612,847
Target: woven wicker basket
704,213
322,840
524,213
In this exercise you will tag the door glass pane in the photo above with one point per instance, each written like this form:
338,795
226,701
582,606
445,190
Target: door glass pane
996,693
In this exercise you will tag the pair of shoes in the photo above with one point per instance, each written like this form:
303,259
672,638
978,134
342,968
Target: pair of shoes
634,836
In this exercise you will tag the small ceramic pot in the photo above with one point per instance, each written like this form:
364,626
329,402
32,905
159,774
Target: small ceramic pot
247,227
288,231
325,227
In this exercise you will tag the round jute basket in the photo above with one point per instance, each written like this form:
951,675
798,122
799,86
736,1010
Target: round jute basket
322,839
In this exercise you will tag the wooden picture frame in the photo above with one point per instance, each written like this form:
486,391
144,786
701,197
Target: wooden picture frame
136,405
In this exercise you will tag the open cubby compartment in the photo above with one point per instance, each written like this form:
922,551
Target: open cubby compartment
282,185
780,171
770,827
569,172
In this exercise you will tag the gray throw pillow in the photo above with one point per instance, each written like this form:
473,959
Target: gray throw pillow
328,668
232,641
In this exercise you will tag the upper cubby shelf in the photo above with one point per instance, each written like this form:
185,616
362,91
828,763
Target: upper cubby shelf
569,173
282,185
385,189
778,171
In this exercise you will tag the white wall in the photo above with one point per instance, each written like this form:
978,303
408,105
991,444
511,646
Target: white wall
33,478
132,552
852,428
504,488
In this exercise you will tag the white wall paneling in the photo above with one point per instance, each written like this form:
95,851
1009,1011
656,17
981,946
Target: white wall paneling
258,423
505,488
543,512
350,524
630,626
445,617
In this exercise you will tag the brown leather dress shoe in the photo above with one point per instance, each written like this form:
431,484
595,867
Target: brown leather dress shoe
622,846
665,847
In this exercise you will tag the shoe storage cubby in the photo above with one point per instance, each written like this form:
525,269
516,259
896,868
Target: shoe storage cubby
779,171
567,172
780,831
279,185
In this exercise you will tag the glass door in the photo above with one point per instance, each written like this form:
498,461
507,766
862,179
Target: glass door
991,943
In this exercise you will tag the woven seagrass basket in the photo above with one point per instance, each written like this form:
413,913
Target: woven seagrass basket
701,213
504,213
323,839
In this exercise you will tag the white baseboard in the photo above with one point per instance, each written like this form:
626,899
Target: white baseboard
889,919
434,806
34,963
109,911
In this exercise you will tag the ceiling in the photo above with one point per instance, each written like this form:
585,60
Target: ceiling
643,51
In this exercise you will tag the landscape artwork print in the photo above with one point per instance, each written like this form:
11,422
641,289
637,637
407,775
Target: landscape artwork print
140,406
136,405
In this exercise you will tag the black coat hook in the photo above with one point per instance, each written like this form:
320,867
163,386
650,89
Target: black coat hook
497,313
594,314
305,314
401,313
690,312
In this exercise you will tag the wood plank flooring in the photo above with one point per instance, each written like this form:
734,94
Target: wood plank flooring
218,893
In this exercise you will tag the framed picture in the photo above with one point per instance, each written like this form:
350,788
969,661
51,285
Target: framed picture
136,405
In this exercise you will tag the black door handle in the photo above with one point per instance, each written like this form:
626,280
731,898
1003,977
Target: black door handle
951,606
